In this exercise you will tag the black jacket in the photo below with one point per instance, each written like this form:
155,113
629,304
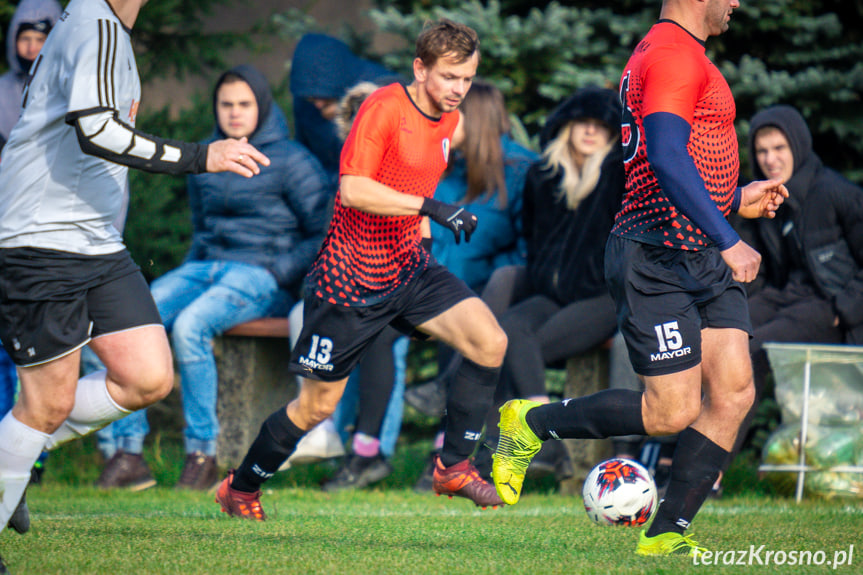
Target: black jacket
566,248
822,218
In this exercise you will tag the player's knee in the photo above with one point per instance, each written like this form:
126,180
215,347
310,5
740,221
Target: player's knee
745,398
319,415
492,349
51,412
667,420
318,412
681,420
155,384
734,403
315,411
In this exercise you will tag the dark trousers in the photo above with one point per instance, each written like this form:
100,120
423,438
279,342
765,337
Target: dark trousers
794,314
542,333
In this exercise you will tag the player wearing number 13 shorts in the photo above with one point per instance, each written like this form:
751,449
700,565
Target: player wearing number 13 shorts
373,271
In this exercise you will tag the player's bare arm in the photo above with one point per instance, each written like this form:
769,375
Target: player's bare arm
425,229
365,194
761,199
758,199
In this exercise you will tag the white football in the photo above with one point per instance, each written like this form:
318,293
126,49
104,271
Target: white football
619,492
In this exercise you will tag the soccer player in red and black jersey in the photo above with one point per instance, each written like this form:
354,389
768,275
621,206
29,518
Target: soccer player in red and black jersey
674,266
374,271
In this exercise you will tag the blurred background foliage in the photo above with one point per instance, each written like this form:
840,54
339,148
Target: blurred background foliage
805,53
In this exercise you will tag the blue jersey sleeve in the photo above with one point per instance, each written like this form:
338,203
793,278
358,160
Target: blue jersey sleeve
667,136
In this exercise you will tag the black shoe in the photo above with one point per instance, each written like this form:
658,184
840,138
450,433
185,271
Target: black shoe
200,472
37,472
426,478
428,398
552,457
20,520
126,471
358,472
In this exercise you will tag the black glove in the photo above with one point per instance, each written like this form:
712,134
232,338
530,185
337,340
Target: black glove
453,217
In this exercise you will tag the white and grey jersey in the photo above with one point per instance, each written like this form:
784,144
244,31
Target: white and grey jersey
64,168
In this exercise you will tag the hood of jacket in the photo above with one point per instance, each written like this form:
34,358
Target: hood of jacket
589,102
29,11
806,163
267,119
325,67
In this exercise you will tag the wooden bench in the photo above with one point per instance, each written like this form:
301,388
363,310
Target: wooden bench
252,364
585,374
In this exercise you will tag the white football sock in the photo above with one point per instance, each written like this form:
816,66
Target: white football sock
94,409
20,447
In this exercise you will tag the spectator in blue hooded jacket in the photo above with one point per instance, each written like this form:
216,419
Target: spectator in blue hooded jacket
27,32
323,68
253,241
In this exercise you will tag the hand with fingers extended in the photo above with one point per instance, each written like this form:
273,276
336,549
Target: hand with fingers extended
237,156
456,218
762,198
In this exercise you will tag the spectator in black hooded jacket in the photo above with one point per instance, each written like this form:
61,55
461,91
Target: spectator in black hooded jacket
812,252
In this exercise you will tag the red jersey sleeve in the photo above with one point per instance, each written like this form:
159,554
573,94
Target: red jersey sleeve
369,138
673,81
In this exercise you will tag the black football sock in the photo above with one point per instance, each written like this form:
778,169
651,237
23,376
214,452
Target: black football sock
274,444
694,469
603,414
469,398
377,379
630,447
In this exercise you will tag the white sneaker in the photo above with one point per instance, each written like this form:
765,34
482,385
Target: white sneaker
321,442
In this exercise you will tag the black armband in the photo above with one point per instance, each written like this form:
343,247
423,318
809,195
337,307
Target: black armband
101,133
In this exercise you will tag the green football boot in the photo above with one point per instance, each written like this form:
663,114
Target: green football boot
667,544
516,447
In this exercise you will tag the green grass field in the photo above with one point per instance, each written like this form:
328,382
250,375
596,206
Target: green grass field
390,529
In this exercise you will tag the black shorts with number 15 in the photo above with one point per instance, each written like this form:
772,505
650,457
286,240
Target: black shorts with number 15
665,297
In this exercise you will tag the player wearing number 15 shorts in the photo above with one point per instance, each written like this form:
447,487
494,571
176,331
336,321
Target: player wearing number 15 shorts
674,265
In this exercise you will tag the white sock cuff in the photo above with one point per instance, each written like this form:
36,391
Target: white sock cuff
93,402
94,409
20,440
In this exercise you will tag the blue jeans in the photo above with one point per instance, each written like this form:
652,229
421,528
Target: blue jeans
8,382
198,301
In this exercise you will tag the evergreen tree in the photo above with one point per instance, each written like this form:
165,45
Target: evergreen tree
807,54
